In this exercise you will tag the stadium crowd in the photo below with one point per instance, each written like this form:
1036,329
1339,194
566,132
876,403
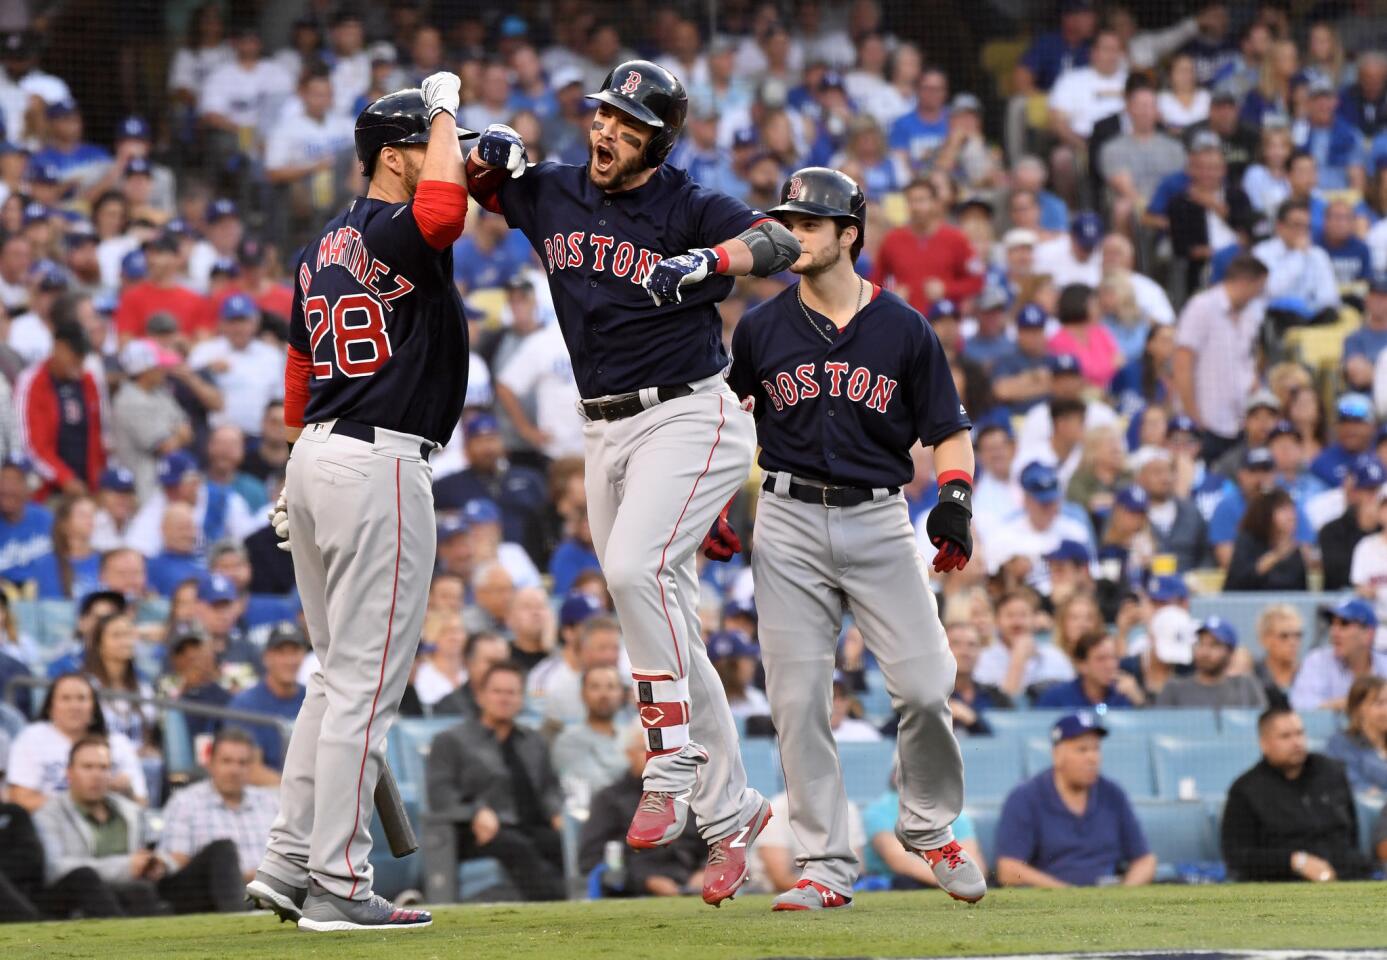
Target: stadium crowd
1154,247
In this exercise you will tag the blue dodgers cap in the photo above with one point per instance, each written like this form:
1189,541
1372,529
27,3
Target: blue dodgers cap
1041,482
480,510
1367,472
216,588
226,267
745,137
134,265
1167,588
178,227
1133,499
1180,423
35,213
18,461
62,108
1356,407
46,173
450,527
117,479
726,644
1352,609
480,424
1221,630
943,310
1283,428
1031,317
1258,458
1377,283
1087,229
578,607
1064,363
1076,725
133,128
238,306
734,608
139,167
1069,551
221,208
174,467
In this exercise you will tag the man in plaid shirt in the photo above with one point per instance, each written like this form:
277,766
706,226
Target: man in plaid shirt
222,807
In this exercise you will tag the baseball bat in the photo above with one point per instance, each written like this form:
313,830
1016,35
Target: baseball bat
393,818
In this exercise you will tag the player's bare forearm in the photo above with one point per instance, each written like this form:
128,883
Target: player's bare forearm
954,453
443,159
739,259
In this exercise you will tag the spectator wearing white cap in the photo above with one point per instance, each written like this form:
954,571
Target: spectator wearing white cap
147,422
247,370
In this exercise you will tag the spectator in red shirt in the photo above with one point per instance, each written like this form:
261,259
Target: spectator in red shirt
256,280
928,259
160,292
59,409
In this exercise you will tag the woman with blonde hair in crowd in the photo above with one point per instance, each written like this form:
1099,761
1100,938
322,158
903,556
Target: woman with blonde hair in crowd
1274,95
1362,747
1325,58
1102,470
1122,315
1267,183
1075,617
440,670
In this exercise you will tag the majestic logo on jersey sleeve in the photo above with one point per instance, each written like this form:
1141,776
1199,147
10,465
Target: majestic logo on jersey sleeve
796,185
633,80
790,388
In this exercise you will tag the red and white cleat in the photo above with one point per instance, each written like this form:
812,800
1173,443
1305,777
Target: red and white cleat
810,895
727,869
956,872
660,818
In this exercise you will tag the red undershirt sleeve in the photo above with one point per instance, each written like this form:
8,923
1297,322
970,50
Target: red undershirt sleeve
440,210
296,371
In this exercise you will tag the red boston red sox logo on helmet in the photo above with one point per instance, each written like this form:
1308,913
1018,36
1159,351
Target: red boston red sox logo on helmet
796,185
633,80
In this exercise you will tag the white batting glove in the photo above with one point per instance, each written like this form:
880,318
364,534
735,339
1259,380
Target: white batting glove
279,519
666,277
501,146
442,94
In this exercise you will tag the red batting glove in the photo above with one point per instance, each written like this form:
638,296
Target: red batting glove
949,557
722,542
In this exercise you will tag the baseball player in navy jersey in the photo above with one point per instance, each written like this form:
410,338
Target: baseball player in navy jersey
844,379
375,380
638,256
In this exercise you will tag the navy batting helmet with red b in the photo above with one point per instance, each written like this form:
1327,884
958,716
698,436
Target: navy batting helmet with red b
654,96
821,192
399,117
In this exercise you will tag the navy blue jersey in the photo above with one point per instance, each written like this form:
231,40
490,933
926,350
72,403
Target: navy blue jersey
376,311
844,407
598,248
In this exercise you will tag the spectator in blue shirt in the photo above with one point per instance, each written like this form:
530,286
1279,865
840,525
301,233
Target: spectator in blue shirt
1288,462
25,527
65,149
919,134
1022,379
520,492
278,695
489,254
971,701
1068,826
1095,662
1336,145
1362,346
72,569
1214,48
1254,478
1050,54
699,155
1353,434
990,345
1348,255
575,552
180,559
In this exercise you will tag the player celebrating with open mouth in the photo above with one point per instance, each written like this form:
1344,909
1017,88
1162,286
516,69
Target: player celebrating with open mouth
666,442
844,379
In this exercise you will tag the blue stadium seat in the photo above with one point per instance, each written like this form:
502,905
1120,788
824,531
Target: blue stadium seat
1206,767
1024,723
12,720
1319,724
875,700
1193,723
991,767
985,817
178,745
484,881
1126,760
1369,809
391,875
1242,610
407,749
1178,832
866,769
761,758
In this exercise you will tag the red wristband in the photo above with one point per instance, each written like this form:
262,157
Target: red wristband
723,260
949,476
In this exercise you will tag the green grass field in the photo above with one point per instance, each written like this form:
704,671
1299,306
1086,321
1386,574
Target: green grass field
878,925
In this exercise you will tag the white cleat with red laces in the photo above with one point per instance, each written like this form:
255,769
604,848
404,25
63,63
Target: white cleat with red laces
810,895
956,872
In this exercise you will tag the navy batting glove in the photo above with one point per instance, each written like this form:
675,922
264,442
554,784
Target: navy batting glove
665,279
948,526
500,146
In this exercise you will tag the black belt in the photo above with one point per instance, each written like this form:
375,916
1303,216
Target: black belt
367,434
826,494
625,405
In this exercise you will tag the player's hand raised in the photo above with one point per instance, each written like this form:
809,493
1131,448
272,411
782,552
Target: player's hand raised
501,146
667,276
442,93
279,519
